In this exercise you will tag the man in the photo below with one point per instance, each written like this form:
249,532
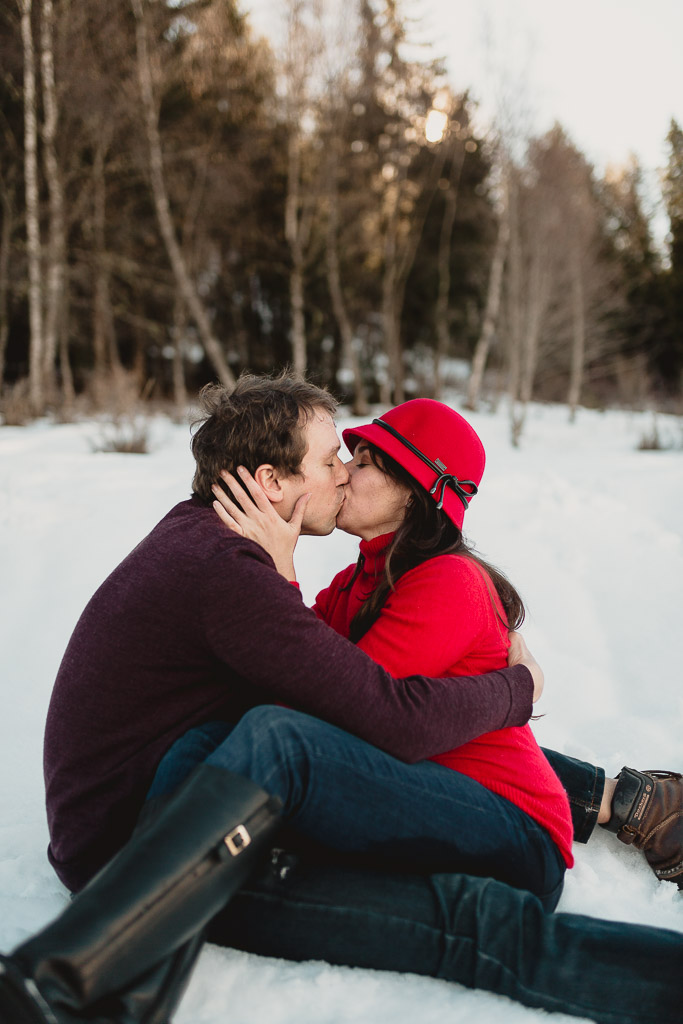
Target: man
196,626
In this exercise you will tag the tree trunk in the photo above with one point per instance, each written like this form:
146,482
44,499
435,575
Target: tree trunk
298,331
492,311
5,241
441,317
396,276
515,310
349,360
65,372
185,285
578,340
106,355
537,304
393,386
294,240
179,328
56,247
36,362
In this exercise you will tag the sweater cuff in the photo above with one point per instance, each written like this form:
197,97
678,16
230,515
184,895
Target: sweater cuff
521,689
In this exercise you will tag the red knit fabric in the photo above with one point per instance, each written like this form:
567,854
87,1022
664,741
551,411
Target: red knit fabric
441,620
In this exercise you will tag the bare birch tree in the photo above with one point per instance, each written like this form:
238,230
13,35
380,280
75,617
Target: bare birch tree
578,350
33,240
561,289
55,250
515,309
349,354
401,241
105,352
184,282
304,42
457,152
7,204
494,294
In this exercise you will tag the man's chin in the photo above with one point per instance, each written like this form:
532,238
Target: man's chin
343,529
317,529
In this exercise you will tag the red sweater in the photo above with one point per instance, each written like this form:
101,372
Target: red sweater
442,619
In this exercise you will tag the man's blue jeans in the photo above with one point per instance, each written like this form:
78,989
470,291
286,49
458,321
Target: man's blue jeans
475,931
341,792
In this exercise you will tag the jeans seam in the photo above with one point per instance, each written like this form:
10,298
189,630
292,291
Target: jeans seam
591,809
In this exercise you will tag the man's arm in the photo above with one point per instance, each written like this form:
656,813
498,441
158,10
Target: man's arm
257,624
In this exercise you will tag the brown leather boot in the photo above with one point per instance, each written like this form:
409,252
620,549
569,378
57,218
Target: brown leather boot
647,811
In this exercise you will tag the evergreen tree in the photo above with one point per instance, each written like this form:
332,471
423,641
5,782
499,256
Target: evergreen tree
643,318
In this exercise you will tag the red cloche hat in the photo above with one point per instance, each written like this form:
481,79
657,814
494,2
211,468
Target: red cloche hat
435,444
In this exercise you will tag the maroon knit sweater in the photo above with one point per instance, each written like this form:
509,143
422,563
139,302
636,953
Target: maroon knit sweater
196,625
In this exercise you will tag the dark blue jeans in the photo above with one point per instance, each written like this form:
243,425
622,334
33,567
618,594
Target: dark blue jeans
341,792
475,931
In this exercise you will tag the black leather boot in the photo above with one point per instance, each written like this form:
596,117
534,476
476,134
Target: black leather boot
20,1000
129,925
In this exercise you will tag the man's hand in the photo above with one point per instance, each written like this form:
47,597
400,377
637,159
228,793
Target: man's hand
519,654
259,521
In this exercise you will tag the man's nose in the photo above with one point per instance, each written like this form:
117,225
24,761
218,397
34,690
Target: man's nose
342,474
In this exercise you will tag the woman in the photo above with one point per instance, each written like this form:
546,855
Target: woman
419,601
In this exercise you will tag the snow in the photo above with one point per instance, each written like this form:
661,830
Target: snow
589,528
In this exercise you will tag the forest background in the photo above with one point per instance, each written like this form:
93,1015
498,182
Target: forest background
181,202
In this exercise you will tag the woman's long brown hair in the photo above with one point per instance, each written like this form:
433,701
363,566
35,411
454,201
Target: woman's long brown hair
425,532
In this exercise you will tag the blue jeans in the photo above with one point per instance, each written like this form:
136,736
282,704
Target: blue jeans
584,785
349,796
475,931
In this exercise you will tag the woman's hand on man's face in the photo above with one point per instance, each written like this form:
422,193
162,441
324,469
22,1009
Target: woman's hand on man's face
258,520
519,654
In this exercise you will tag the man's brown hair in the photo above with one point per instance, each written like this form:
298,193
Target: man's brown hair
260,420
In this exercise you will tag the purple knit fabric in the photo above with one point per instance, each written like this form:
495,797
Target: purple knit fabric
196,625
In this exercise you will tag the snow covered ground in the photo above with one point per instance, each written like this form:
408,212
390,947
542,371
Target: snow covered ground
590,530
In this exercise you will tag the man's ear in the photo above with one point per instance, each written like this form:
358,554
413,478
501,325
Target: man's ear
268,478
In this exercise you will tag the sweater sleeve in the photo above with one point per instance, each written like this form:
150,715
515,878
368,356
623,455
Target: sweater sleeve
323,601
320,607
439,613
257,625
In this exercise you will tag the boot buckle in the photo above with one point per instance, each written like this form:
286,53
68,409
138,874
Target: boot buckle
237,840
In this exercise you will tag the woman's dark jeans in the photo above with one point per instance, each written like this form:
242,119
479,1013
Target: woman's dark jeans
584,785
341,792
475,931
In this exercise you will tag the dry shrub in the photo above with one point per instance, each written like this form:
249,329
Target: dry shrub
125,423
650,440
653,440
634,387
15,404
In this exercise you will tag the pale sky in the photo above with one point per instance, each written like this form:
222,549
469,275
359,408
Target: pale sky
611,71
